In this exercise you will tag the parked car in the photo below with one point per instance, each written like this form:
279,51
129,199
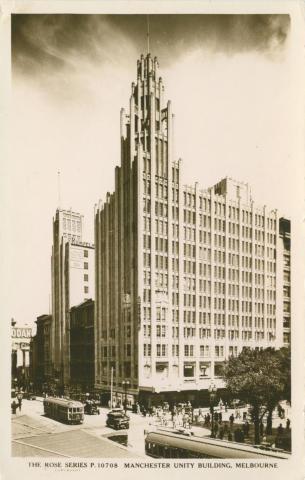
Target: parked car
90,408
29,396
117,419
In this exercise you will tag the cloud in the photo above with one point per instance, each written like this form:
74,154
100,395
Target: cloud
71,76
48,42
63,55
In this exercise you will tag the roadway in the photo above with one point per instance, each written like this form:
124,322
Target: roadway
33,434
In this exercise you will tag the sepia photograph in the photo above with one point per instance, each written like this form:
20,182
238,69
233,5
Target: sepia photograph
152,190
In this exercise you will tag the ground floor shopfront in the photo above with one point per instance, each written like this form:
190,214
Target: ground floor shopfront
151,398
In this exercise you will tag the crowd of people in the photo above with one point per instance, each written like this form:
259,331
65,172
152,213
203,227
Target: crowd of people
226,424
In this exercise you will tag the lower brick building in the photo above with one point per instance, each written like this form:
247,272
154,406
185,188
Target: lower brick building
82,347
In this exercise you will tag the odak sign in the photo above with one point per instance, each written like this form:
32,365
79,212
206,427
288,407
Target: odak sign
21,332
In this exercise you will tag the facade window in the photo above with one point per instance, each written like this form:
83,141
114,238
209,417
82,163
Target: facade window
161,350
189,370
86,265
188,350
219,351
204,350
86,277
85,253
86,289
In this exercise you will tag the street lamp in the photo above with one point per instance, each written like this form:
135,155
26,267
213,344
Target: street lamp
125,384
212,392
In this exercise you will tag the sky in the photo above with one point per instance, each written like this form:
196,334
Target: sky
230,79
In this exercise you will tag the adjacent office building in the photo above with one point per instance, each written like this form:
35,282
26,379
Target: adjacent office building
185,276
82,347
20,355
72,283
41,364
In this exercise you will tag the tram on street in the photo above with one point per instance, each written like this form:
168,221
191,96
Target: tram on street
169,444
64,410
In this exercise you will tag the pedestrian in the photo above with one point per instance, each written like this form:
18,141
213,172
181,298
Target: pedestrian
244,416
185,420
174,421
246,427
287,424
19,398
239,436
231,418
279,410
221,432
201,418
220,417
14,407
280,429
261,428
180,419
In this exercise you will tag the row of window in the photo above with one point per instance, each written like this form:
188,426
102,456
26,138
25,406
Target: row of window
204,236
204,350
189,299
162,350
189,316
71,225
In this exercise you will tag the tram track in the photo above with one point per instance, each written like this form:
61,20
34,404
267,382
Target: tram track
48,450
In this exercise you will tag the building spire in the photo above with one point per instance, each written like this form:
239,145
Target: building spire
147,17
58,188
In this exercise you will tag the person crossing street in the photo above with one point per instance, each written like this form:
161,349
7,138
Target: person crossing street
19,398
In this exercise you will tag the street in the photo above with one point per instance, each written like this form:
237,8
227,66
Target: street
33,434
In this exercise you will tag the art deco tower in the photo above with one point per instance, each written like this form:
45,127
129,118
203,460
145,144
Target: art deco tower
125,224
184,277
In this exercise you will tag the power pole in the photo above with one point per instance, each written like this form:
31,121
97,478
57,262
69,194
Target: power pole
111,388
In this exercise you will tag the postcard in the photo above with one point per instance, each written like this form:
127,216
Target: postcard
153,239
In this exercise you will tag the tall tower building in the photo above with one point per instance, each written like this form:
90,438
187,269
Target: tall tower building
72,283
185,277
285,257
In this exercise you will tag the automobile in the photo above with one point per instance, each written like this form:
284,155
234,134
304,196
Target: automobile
90,408
29,396
117,419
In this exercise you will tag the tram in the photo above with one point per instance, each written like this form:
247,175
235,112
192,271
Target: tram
168,444
64,410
